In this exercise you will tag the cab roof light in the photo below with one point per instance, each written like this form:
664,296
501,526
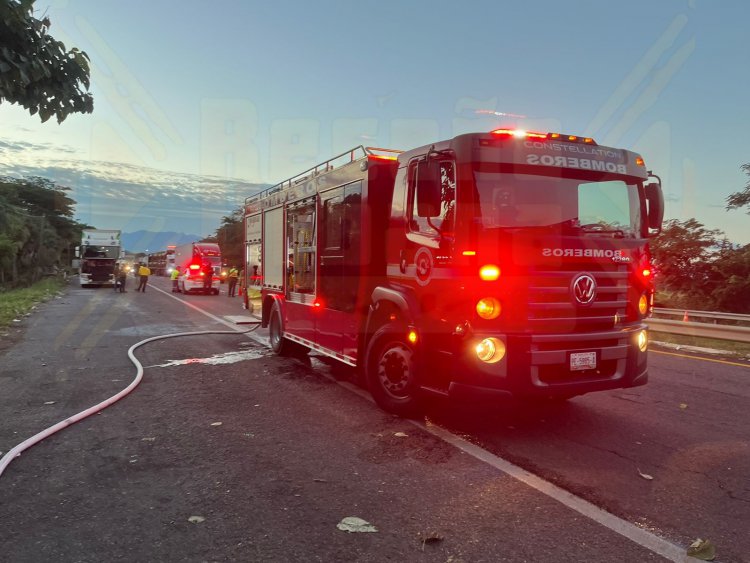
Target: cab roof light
469,253
518,134
639,161
571,138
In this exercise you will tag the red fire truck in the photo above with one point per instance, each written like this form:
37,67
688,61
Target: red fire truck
508,263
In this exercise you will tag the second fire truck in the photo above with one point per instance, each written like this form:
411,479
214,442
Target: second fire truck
507,263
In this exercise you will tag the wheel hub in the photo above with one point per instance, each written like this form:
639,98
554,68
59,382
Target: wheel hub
394,370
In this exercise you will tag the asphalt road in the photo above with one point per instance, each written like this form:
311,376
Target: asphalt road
227,453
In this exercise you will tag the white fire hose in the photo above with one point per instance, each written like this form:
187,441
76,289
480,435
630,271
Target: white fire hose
16,451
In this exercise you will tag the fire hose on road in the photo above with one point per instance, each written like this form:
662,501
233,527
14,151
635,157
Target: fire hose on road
26,444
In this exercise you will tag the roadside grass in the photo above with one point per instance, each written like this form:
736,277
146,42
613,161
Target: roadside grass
735,348
16,303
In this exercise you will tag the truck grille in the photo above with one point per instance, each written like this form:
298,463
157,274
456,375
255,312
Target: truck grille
552,306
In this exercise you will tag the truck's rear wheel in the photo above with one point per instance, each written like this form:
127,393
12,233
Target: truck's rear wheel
391,371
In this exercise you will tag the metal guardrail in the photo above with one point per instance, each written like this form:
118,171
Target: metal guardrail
713,329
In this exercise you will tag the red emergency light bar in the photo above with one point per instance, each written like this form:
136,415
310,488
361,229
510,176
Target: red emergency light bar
522,134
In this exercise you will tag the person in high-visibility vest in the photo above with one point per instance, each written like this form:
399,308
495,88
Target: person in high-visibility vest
144,272
233,277
174,277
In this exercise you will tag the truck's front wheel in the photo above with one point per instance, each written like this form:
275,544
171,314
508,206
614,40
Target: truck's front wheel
391,371
280,345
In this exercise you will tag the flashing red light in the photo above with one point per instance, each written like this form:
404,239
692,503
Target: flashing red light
646,272
639,161
195,266
382,157
469,253
518,134
317,304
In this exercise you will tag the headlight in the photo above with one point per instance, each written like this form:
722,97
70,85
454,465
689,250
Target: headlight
489,308
642,340
490,350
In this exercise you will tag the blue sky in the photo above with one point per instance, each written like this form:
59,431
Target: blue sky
199,103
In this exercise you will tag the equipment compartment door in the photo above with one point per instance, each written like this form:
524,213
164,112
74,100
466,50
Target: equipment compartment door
340,261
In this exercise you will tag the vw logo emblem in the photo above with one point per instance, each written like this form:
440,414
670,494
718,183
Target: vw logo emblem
584,289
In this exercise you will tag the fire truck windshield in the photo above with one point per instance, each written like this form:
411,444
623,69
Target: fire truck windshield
513,200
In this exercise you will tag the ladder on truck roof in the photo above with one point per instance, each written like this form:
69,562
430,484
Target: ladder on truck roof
353,155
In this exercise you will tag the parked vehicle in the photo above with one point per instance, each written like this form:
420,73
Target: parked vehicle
162,263
507,263
191,258
99,252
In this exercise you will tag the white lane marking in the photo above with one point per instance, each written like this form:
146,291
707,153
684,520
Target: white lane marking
250,335
626,529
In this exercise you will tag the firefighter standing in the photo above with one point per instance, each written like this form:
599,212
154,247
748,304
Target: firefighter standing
144,272
208,277
233,277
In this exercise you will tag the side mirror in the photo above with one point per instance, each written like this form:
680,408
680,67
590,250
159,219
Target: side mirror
655,207
429,188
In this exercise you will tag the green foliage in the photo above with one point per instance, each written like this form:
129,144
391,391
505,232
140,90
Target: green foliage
230,239
741,198
697,268
36,71
37,232
18,302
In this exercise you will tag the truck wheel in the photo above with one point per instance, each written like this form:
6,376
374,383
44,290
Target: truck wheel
391,371
280,345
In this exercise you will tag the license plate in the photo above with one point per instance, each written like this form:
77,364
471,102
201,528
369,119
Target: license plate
582,360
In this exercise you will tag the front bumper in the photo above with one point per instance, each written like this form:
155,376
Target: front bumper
539,365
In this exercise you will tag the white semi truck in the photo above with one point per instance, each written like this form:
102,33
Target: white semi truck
99,252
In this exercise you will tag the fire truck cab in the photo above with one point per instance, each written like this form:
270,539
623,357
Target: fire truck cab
508,263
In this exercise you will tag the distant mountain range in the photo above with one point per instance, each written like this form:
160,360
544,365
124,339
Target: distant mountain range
149,241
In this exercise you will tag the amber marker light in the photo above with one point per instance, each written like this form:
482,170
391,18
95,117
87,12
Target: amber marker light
639,161
412,336
489,272
643,305
469,253
489,308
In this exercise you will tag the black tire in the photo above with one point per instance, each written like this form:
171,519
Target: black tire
392,373
279,344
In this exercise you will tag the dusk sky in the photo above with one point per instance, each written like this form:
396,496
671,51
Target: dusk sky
196,104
